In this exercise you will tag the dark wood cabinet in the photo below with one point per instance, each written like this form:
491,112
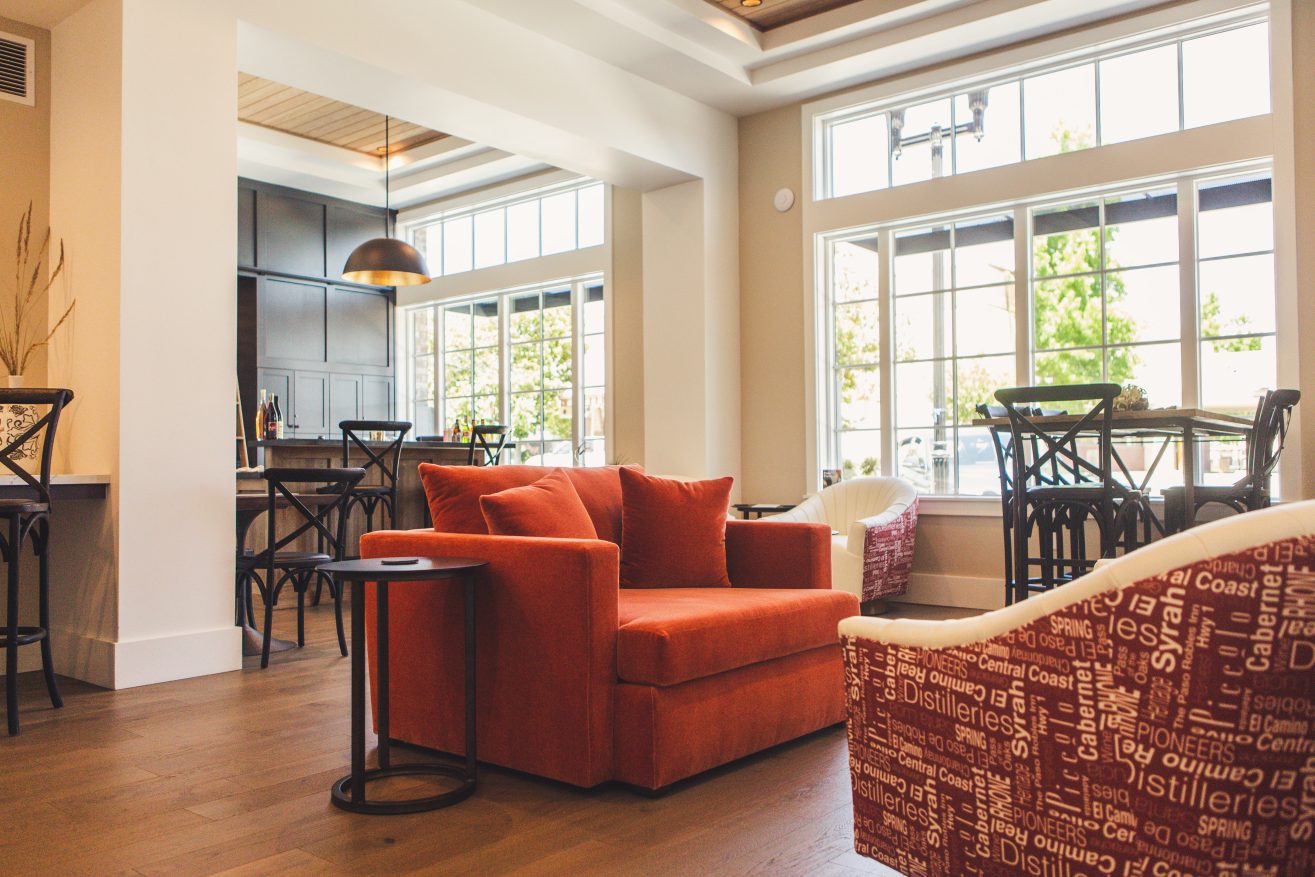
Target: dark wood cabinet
290,235
323,345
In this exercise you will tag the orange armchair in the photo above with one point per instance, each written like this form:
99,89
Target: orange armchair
746,667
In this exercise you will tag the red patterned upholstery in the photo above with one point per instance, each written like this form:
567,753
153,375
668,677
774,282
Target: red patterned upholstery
888,554
1159,719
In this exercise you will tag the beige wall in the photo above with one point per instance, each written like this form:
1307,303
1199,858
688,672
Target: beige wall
25,175
627,282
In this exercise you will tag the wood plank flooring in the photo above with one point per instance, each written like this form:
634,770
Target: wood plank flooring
230,775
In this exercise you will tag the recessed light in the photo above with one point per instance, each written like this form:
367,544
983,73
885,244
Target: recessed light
751,2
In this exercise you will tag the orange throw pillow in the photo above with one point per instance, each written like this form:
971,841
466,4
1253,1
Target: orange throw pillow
673,533
548,507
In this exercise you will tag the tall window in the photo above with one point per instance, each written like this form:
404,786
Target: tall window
525,227
1106,303
954,345
533,359
1112,96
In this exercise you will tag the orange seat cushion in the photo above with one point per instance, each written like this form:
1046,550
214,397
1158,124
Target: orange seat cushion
672,635
453,494
548,507
673,533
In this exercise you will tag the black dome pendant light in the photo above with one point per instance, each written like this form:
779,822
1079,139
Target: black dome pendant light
386,261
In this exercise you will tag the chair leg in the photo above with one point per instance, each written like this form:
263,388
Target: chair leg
337,615
269,628
11,632
43,610
300,585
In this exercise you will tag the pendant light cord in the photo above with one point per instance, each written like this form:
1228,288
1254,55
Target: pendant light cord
387,203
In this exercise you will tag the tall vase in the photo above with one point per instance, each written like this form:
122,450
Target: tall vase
14,419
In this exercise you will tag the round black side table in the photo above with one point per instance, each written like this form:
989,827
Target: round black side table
349,792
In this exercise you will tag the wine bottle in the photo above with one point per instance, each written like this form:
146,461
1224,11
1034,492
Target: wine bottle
260,417
278,419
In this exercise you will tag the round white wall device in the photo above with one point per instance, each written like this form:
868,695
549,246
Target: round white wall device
783,200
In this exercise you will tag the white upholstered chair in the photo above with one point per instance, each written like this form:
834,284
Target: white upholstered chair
875,521
1155,713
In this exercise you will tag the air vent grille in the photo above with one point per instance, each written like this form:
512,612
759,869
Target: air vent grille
16,69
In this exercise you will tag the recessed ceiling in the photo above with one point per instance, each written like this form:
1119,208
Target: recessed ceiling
774,13
283,108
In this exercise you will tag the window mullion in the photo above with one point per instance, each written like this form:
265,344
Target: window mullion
1187,297
1023,340
886,349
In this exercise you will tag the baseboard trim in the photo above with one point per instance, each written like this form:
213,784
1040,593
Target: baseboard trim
963,592
130,663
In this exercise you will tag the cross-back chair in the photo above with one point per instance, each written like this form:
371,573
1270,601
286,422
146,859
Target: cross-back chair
28,518
327,522
487,442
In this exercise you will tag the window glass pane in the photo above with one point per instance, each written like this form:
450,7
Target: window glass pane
557,416
1000,141
526,367
455,408
456,327
422,377
1226,76
1142,305
1141,229
1237,296
595,422
523,231
529,454
857,335
526,419
984,252
923,393
1068,367
456,245
422,331
926,458
526,319
922,260
457,370
860,453
854,269
557,362
1139,94
860,398
922,326
593,309
591,216
429,241
1066,313
1236,216
558,223
594,454
1234,372
1157,368
859,153
557,313
917,160
592,361
486,323
984,320
976,381
557,454
423,417
1066,240
490,238
487,370
979,473
1060,111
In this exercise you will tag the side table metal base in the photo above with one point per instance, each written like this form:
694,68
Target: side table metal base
341,793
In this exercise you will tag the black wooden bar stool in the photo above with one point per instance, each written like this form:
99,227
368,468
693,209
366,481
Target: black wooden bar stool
24,518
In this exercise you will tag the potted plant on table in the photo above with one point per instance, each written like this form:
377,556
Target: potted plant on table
22,332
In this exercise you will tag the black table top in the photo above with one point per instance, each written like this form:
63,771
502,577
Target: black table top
378,568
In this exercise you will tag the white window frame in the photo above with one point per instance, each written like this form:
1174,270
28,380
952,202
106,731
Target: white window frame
577,285
1236,146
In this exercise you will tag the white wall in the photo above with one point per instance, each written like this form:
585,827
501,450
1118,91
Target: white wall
149,208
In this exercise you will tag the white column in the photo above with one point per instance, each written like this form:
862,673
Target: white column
143,190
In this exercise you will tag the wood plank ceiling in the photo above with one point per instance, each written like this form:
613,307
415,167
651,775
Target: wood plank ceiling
303,114
774,13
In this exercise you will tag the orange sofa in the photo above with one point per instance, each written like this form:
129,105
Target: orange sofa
582,681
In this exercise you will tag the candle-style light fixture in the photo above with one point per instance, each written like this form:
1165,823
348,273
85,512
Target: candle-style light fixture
386,261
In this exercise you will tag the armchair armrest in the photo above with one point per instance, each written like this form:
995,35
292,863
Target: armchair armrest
546,622
778,554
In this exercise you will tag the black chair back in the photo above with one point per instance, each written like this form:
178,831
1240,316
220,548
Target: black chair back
486,444
1273,418
1057,460
388,460
318,519
22,410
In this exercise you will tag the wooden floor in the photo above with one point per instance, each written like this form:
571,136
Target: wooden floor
230,774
